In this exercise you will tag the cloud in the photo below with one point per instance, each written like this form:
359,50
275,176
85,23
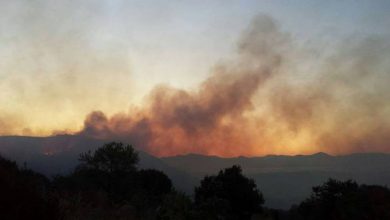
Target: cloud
211,119
261,102
344,108
272,97
57,53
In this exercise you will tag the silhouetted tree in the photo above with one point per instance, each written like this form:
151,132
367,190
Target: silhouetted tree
24,194
150,188
111,168
228,195
153,182
108,179
343,200
112,157
176,206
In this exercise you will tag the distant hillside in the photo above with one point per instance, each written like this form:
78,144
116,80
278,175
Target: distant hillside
284,180
48,155
363,162
59,154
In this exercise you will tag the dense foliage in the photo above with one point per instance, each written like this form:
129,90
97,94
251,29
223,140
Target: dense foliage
345,200
112,157
24,194
108,180
108,185
228,195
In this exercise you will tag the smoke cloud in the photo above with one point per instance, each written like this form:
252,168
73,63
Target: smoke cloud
264,102
211,119
55,54
273,96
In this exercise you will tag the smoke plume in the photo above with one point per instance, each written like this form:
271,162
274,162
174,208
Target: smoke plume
264,102
211,119
54,55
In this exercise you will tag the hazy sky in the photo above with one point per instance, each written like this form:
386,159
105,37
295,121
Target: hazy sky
317,65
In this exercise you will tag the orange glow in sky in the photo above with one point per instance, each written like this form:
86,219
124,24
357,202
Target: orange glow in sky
249,78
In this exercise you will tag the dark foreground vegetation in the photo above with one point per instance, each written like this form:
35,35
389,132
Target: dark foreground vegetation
108,185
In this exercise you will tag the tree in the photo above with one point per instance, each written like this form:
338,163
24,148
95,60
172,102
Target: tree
107,179
25,194
149,190
175,206
154,182
112,157
111,168
229,195
345,200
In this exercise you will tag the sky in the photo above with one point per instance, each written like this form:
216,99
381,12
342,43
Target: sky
220,77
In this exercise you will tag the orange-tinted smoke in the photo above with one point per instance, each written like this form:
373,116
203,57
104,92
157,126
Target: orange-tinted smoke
255,106
210,120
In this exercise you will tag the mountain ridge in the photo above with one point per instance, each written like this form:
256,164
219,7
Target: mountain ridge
284,179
